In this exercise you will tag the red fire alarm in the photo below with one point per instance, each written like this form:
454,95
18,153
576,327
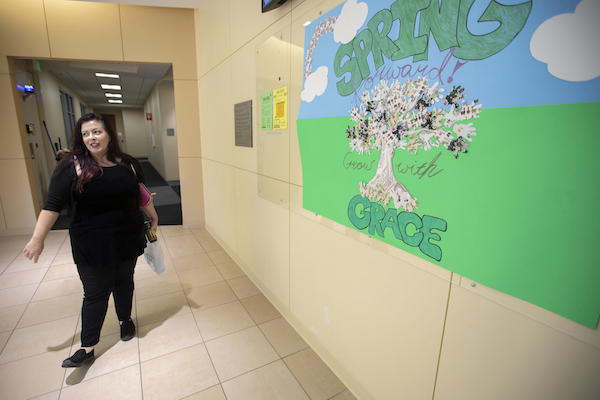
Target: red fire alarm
148,116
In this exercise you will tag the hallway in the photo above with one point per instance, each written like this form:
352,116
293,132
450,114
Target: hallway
205,332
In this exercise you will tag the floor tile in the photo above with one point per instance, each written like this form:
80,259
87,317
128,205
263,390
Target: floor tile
178,374
111,355
52,309
315,377
16,242
10,316
240,352
195,323
66,247
283,337
144,271
243,287
192,262
214,393
219,256
181,240
230,270
202,234
345,395
271,382
211,245
122,384
23,264
17,296
63,258
260,308
9,254
168,336
60,287
32,376
157,286
173,230
48,396
160,308
62,271
57,237
38,339
182,250
21,278
208,296
200,277
4,336
222,320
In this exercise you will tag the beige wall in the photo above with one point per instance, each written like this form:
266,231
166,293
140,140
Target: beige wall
43,159
391,325
168,119
162,149
134,121
50,86
154,137
128,34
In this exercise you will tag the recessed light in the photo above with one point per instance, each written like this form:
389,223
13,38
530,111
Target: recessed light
116,95
111,87
115,101
307,23
103,75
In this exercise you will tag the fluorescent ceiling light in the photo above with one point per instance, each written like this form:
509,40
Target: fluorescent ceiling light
307,23
116,95
111,87
115,101
103,75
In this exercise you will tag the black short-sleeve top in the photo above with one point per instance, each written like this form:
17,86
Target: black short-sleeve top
107,225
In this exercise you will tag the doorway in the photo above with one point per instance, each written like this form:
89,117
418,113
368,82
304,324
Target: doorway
69,87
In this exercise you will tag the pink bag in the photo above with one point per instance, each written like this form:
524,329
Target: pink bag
144,195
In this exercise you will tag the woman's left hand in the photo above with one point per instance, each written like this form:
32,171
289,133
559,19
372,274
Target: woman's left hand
150,211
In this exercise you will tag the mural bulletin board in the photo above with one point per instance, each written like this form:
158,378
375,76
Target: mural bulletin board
466,133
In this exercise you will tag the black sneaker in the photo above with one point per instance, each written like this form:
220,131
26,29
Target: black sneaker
78,359
127,330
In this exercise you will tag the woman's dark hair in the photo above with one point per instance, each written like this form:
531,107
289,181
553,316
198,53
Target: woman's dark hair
89,167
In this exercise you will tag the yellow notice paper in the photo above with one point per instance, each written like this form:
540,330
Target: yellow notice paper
280,106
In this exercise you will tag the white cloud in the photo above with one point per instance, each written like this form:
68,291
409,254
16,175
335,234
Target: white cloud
569,43
352,17
315,84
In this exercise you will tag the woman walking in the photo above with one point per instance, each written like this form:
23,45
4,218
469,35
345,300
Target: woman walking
100,182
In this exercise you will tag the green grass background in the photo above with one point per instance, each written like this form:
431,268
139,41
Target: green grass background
521,205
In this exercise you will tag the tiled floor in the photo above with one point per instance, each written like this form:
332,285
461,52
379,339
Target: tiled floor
205,332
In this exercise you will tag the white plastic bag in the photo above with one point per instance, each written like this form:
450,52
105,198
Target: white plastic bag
154,257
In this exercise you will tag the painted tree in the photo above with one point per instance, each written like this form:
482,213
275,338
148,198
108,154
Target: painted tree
404,116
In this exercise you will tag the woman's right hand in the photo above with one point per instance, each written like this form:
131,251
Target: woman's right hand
33,249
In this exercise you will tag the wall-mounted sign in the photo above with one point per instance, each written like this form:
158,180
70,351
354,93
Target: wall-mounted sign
280,106
148,116
446,126
243,123
266,111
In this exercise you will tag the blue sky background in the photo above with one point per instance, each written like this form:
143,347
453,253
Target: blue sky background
510,78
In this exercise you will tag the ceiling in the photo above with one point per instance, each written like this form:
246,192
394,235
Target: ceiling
136,80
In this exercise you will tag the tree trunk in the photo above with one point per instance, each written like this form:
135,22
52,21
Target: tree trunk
384,186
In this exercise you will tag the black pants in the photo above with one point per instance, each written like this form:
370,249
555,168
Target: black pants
98,284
